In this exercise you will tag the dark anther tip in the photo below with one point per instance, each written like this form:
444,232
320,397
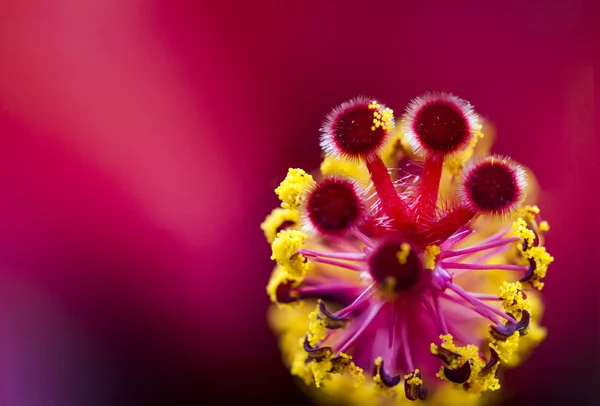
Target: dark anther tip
339,364
493,360
523,325
414,392
530,271
460,374
503,331
387,379
536,239
332,321
446,355
316,353
285,292
285,225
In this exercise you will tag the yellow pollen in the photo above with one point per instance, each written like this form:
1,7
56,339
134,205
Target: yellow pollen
506,348
279,277
285,251
276,219
523,232
403,254
542,260
528,213
413,378
479,381
291,191
513,300
316,328
384,118
431,253
389,284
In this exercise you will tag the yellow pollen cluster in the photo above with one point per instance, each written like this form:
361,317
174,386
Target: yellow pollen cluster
513,300
383,118
279,277
479,381
291,190
538,255
506,348
527,343
276,219
403,254
454,164
355,372
430,255
528,213
317,331
319,371
542,259
413,378
522,231
285,251
312,371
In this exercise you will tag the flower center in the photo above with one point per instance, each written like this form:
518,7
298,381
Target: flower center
395,265
441,127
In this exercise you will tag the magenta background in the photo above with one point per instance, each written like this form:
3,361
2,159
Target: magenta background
141,142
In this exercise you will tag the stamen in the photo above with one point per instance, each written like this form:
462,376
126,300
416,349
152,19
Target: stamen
455,239
459,375
445,355
358,302
387,379
413,389
348,256
332,322
482,312
482,296
478,303
285,292
316,353
493,360
314,291
530,271
483,267
364,239
440,314
351,338
352,267
392,334
502,332
405,344
480,247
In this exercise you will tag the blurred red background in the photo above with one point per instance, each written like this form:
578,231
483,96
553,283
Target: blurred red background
141,142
